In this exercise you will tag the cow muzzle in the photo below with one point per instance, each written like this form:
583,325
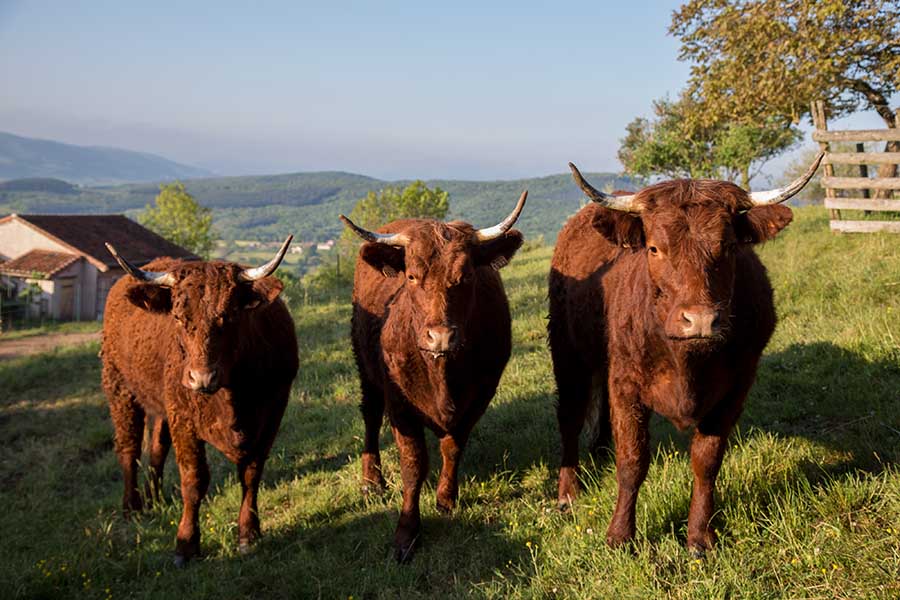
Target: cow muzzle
439,341
205,381
695,322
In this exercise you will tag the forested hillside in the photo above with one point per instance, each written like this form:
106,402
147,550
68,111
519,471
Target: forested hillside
307,204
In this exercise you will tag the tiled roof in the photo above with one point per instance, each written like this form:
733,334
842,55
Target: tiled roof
86,234
41,262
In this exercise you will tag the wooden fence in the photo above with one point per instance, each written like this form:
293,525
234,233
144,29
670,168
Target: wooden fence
837,189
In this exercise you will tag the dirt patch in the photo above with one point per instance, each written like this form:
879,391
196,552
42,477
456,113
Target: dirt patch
10,349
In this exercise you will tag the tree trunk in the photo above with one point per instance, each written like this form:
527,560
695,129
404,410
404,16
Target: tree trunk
745,177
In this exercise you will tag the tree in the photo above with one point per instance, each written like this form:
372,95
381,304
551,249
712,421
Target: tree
180,219
757,59
677,144
416,200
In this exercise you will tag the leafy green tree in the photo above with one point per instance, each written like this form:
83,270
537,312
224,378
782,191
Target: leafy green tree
677,144
416,200
177,217
760,59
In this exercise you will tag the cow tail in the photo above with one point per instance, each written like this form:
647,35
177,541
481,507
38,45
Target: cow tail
597,416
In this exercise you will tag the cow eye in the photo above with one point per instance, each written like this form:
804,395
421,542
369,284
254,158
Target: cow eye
411,278
653,250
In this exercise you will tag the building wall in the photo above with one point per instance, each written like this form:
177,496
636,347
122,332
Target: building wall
42,304
84,276
88,290
16,239
104,282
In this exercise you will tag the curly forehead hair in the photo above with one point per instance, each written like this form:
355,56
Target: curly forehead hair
684,193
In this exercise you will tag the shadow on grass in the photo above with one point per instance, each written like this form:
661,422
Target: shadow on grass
819,392
50,376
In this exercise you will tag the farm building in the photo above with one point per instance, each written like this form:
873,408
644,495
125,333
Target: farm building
63,260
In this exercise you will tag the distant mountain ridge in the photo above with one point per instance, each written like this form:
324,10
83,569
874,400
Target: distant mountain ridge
40,175
23,157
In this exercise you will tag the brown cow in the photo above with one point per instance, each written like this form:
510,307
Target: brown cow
658,303
431,335
208,351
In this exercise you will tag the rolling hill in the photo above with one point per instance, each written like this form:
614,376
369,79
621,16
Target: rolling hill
22,157
307,204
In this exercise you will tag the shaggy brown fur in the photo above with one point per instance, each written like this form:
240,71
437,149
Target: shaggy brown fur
444,283
626,292
238,340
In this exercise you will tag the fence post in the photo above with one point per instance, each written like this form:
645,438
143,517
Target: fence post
817,109
863,172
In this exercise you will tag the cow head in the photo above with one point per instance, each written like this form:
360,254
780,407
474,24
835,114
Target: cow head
689,232
207,301
437,262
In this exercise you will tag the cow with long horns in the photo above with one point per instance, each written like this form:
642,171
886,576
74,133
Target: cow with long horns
658,303
206,352
431,335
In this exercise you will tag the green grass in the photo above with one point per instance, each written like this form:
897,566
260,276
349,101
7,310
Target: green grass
31,329
809,494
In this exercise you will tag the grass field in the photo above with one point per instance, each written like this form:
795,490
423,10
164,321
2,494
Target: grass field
809,495
31,329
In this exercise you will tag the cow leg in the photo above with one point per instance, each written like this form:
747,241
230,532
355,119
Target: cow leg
448,485
160,443
574,386
372,408
128,421
707,450
190,454
249,473
410,439
631,429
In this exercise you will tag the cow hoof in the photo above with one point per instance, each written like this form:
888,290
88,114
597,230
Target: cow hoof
245,547
446,505
619,540
373,488
403,553
563,505
180,561
697,553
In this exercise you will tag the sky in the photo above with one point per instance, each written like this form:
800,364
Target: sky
395,90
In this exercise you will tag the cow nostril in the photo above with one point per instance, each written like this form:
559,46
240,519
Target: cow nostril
687,318
202,379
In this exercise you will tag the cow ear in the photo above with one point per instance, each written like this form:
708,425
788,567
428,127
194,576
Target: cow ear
619,228
260,293
390,260
761,223
498,252
150,297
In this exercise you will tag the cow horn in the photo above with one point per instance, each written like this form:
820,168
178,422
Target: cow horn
486,235
624,203
248,275
779,195
163,278
391,239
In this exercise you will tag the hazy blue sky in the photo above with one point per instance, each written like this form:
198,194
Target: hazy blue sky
390,89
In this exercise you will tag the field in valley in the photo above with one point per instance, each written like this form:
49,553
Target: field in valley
809,494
